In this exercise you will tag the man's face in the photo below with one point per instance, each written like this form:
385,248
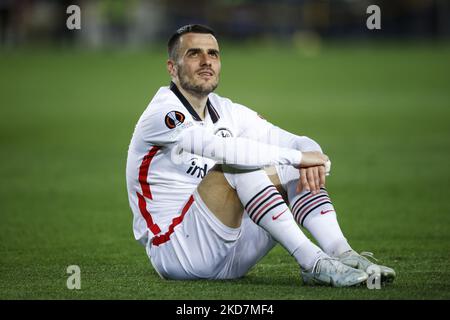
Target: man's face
198,65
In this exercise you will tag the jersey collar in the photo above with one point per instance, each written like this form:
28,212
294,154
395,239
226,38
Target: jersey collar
211,110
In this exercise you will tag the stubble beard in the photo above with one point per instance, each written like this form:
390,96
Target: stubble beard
198,90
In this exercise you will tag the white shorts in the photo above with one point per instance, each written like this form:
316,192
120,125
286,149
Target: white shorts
202,247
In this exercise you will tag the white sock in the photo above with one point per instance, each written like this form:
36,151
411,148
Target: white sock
317,214
265,206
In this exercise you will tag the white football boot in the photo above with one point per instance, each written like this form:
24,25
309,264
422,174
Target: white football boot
360,261
331,272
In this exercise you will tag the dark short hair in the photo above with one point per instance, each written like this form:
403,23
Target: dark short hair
172,45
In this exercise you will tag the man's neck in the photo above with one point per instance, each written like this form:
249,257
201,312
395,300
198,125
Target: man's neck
198,103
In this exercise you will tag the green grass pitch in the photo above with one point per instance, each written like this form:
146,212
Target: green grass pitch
381,112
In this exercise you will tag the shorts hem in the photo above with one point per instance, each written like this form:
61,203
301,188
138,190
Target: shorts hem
225,232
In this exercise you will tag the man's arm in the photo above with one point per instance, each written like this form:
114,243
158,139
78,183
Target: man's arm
243,152
155,128
257,128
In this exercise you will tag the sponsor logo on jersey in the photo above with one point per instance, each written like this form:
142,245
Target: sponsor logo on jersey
195,169
174,119
223,132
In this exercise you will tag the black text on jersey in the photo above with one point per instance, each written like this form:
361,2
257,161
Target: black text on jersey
195,169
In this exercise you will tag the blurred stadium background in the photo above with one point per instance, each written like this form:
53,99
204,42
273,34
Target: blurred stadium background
378,101
143,22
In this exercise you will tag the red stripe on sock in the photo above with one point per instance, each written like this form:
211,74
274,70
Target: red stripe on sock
263,196
255,217
299,204
313,204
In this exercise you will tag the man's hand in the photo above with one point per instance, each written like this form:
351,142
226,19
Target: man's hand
312,172
311,179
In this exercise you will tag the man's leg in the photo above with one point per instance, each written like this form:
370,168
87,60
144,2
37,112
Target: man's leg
225,193
317,214
266,207
314,212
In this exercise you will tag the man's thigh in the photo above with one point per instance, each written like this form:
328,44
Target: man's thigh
220,198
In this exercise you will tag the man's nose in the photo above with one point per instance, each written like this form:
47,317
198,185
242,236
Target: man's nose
205,59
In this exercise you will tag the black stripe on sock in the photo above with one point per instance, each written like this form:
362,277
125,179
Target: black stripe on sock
307,194
320,195
312,209
303,196
268,210
264,201
256,195
296,215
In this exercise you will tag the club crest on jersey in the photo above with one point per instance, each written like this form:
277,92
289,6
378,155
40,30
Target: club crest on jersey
224,133
174,119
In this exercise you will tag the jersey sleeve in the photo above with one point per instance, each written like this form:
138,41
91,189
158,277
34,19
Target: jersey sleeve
162,125
254,127
237,151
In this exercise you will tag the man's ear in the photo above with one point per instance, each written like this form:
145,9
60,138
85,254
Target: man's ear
172,68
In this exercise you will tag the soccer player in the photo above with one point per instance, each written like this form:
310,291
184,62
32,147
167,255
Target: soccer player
213,186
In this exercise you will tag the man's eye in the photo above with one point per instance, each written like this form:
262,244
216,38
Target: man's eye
213,54
193,54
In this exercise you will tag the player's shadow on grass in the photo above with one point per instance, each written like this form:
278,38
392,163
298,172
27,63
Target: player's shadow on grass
287,281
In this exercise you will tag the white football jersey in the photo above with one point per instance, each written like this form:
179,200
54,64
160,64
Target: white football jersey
161,175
